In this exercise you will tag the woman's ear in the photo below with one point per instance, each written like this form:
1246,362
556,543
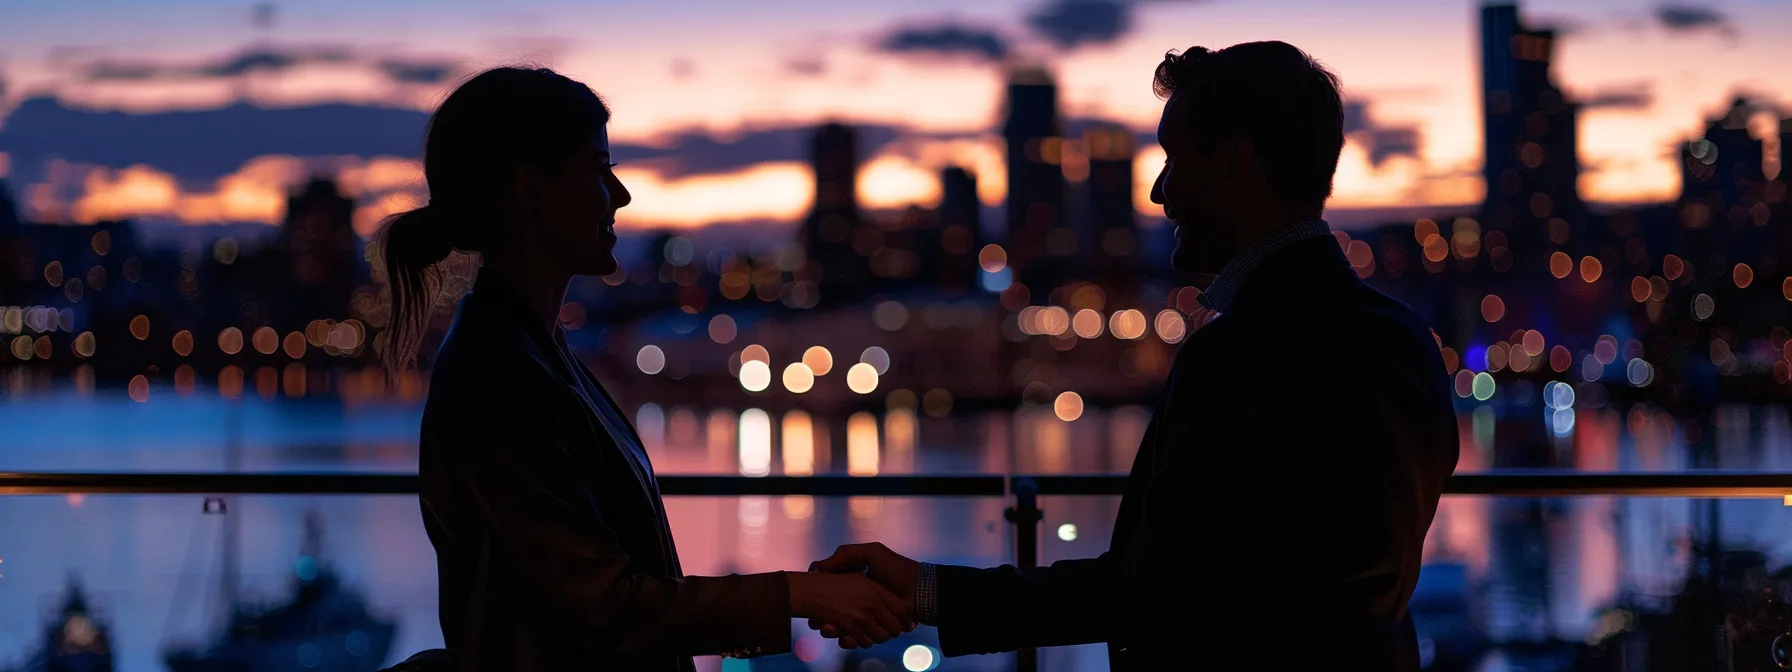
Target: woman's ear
526,187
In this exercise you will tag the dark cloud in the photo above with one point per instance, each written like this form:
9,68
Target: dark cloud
698,152
1382,141
1692,18
267,59
811,65
199,146
419,71
1069,24
1634,96
1564,26
947,38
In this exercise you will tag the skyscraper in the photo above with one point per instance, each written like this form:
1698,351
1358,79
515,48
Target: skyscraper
9,210
1038,242
1722,170
323,252
835,218
1531,168
1724,205
951,259
1112,256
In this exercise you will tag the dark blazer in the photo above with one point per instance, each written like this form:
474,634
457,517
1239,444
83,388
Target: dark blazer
1278,504
523,450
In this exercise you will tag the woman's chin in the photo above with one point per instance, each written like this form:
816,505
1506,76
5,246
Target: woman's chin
604,264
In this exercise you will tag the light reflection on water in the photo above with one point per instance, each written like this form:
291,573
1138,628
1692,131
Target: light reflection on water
140,555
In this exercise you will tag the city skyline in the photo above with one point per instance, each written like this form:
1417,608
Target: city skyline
1647,76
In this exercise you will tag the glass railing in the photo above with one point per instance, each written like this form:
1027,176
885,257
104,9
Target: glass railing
1525,570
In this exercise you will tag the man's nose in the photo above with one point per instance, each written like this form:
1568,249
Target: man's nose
1157,188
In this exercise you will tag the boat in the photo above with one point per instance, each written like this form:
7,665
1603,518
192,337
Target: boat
325,626
75,640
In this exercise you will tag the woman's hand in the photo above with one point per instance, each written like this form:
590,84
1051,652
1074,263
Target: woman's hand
860,610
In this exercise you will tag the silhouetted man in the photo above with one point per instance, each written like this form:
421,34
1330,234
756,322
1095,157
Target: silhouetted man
1278,504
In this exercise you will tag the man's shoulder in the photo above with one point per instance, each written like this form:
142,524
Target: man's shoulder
1359,326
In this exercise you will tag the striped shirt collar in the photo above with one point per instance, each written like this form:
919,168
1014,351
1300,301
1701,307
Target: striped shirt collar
1224,289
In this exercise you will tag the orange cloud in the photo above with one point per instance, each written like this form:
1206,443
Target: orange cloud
368,215
381,174
896,182
255,193
778,190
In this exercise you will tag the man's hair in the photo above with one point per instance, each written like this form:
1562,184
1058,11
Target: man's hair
1270,93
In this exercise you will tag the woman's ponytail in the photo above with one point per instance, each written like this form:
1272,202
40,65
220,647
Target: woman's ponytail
413,245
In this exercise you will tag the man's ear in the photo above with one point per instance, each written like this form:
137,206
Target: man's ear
1237,157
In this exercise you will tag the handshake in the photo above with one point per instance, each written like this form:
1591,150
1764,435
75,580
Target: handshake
863,594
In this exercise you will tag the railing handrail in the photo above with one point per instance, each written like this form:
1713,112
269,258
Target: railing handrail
1505,482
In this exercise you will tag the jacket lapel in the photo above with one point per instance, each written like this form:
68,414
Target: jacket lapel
545,349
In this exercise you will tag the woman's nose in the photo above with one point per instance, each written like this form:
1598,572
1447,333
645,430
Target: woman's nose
619,196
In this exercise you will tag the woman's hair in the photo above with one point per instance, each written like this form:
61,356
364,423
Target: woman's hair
492,124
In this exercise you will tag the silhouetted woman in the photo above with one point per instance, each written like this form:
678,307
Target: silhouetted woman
552,547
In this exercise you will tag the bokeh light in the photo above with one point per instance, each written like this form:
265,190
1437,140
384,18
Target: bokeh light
1703,306
230,340
992,258
1560,359
755,353
1744,276
1483,386
819,360
1067,532
862,378
1172,327
140,327
1068,406
1590,269
139,389
798,377
1560,265
755,375
937,402
1087,323
755,443
878,358
1493,308
84,344
890,315
294,345
266,341
650,359
1127,324
1533,343
183,343
722,329
918,658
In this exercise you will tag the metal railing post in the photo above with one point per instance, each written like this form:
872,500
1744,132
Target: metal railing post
1025,515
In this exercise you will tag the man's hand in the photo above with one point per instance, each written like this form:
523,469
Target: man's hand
897,573
858,610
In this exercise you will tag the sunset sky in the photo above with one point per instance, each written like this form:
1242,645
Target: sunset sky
694,76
